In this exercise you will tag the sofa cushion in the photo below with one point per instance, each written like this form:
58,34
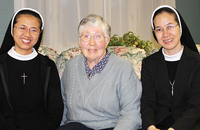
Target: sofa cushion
47,51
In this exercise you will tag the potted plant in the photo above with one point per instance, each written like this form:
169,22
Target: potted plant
130,40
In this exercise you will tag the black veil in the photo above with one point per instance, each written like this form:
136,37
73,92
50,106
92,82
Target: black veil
8,41
186,37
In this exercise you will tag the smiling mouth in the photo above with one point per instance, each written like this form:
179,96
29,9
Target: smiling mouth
26,41
166,41
92,50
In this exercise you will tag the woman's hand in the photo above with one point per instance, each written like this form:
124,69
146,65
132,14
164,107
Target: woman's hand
152,127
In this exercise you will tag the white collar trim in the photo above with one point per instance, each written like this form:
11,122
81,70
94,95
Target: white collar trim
175,57
17,56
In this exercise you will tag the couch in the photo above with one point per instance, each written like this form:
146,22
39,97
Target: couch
132,54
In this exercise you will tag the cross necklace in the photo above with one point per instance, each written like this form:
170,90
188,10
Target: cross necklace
24,78
172,84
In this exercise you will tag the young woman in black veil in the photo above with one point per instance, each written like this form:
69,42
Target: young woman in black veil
30,96
171,76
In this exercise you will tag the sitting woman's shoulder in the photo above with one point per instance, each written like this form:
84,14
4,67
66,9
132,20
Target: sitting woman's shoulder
119,60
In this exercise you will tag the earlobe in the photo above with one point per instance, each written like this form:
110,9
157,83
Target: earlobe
79,42
108,40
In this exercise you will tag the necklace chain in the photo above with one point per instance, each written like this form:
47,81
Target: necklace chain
172,84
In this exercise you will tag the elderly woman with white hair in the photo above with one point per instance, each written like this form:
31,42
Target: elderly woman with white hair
100,90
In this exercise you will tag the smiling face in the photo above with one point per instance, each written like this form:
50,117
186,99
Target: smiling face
92,50
24,41
168,39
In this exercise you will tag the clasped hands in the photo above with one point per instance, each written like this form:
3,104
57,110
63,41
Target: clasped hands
152,127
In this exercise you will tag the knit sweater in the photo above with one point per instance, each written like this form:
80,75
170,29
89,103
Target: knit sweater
110,98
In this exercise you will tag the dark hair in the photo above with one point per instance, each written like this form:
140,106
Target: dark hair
167,10
28,12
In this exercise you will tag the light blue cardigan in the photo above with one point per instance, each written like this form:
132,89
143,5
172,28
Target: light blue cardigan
109,99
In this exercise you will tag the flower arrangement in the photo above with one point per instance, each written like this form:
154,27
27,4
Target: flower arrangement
130,40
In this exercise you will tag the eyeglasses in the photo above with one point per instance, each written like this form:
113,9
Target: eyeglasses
24,29
168,28
87,37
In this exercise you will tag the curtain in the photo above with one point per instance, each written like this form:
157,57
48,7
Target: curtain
63,16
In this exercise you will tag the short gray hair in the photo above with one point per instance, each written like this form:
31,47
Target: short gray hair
94,20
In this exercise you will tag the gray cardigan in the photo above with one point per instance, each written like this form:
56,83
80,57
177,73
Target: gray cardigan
109,99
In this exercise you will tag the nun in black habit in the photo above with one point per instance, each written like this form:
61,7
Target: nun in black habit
30,96
171,77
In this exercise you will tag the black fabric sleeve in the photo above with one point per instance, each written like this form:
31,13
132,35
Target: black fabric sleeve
54,100
148,100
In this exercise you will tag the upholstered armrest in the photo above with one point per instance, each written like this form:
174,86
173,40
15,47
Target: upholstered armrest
64,57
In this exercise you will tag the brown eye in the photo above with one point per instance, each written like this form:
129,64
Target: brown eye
158,30
22,27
